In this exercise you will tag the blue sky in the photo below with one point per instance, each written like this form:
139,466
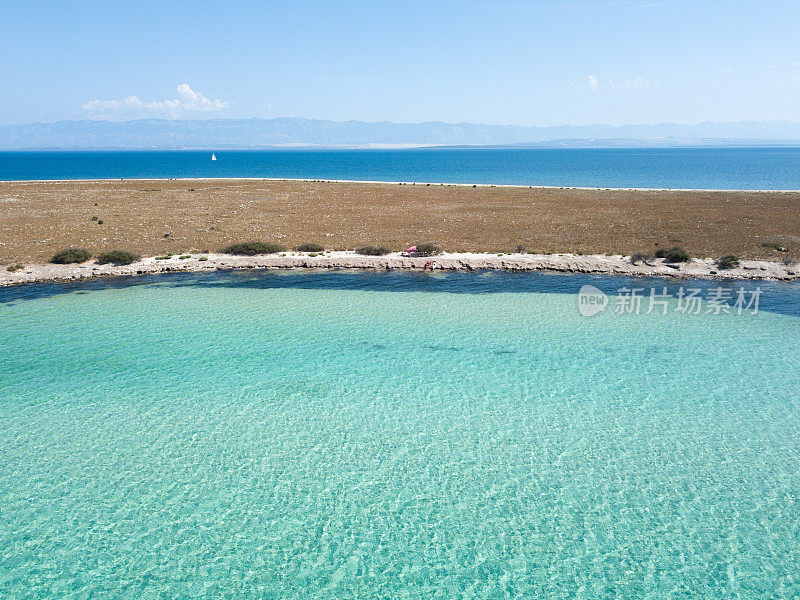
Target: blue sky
541,62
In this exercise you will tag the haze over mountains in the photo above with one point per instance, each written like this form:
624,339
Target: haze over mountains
296,132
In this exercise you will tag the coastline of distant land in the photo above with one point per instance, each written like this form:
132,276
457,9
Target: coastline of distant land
288,133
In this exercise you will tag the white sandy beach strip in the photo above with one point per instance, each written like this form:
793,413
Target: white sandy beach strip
569,263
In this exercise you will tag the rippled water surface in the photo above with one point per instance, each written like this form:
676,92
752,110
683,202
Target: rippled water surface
713,168
306,435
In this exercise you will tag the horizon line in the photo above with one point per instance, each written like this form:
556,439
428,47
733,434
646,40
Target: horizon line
386,121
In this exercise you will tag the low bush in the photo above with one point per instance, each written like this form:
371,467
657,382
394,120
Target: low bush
520,249
184,256
676,254
373,251
428,250
71,255
203,258
117,257
774,246
640,257
13,268
253,248
310,248
729,261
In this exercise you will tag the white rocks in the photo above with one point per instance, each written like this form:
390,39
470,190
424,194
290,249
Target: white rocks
570,263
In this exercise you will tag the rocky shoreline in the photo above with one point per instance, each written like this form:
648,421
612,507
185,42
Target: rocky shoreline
568,263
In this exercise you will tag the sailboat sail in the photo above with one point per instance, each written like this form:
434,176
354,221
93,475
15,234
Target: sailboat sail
213,156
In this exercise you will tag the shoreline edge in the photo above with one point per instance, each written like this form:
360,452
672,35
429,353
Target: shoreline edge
600,264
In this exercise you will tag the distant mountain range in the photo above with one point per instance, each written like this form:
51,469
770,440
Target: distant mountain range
288,132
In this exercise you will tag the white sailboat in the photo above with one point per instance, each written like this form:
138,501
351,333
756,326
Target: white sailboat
213,156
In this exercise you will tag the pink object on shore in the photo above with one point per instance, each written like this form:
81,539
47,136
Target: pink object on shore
411,250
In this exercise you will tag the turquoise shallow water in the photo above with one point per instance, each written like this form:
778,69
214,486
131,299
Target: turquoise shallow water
300,435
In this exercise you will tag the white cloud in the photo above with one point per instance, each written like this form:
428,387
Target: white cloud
639,83
187,103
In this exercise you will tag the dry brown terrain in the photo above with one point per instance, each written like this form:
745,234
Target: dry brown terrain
160,216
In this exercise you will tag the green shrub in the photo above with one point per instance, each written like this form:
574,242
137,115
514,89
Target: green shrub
428,250
640,257
71,255
729,261
13,268
203,258
773,246
674,254
373,251
253,248
117,257
185,256
311,247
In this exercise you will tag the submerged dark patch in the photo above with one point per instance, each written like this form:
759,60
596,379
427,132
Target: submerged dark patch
776,296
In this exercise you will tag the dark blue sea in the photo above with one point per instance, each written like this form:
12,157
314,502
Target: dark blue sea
772,168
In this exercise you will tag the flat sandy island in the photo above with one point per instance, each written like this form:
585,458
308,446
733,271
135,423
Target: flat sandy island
156,217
